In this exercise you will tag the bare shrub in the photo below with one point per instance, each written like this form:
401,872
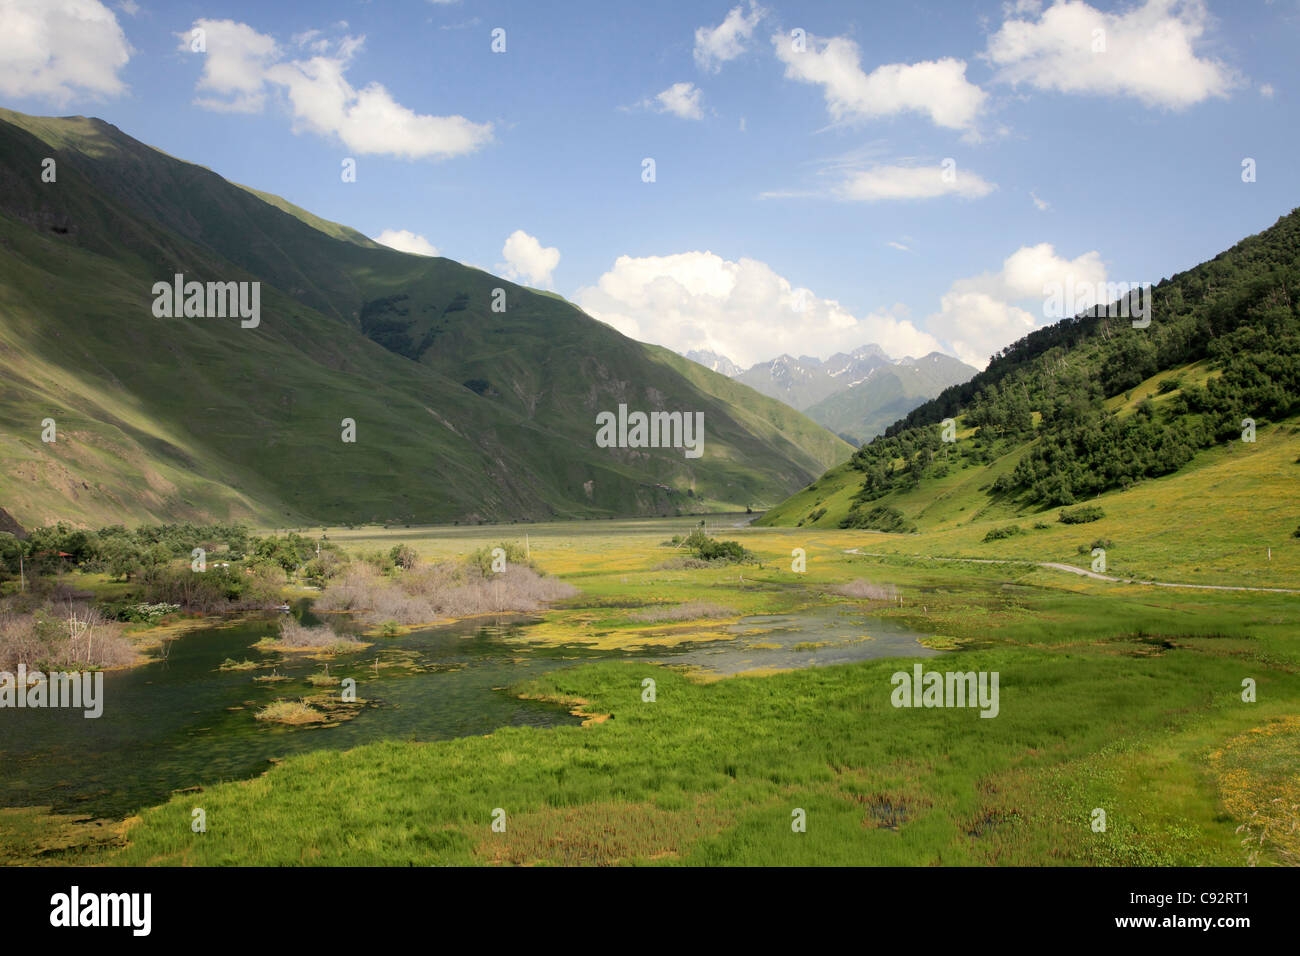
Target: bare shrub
70,634
681,564
690,611
431,592
351,590
864,590
19,642
293,633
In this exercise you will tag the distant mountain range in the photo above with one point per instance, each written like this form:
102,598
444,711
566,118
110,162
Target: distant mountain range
856,394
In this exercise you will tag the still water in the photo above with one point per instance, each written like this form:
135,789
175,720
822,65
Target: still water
183,722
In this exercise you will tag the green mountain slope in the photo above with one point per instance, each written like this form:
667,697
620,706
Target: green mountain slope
462,413
1094,406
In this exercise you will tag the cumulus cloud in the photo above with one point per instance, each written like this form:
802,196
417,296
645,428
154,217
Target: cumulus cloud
240,64
59,49
681,99
982,314
936,88
403,240
527,260
1148,52
715,46
741,309
234,66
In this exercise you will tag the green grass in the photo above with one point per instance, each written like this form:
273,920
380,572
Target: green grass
1113,697
1225,519
826,741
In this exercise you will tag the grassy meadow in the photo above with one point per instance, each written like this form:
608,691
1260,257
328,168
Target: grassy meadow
1122,698
1225,519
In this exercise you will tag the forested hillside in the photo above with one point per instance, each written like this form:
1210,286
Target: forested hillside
1069,399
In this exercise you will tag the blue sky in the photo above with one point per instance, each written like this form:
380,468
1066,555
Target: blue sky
800,202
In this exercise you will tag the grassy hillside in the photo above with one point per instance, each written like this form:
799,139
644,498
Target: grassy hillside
462,413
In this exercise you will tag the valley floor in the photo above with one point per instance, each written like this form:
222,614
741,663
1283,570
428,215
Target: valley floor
1114,697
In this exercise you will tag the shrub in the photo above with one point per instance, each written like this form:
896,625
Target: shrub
293,633
1082,515
403,556
431,592
814,516
879,518
514,552
1006,531
67,635
135,613
715,551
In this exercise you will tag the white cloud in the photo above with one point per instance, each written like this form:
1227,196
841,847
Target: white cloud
403,240
59,49
1266,90
1149,53
898,245
742,309
240,63
911,182
718,45
527,260
937,88
883,182
681,99
129,7
980,315
1042,205
234,66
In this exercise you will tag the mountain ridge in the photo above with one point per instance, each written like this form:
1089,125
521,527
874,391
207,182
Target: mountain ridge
462,413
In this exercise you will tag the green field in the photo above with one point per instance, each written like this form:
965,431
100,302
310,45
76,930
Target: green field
1122,698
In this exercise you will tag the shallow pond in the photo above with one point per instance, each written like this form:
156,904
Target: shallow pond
817,637
184,722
